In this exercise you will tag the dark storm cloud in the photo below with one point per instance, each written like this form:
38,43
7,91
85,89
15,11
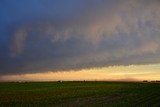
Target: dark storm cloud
46,35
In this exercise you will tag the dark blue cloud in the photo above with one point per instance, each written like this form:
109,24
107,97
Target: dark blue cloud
47,35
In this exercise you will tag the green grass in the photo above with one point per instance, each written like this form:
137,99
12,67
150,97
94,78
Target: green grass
90,94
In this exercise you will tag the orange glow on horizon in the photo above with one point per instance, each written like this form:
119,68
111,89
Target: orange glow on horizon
113,73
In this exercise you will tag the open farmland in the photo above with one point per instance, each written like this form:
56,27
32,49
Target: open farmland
73,94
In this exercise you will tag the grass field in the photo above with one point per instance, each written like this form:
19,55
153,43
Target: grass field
75,94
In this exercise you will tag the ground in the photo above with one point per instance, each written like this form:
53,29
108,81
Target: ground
80,94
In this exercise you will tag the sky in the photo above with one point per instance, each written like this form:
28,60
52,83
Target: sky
79,40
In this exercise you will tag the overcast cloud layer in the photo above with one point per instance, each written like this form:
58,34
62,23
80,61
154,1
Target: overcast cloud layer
57,35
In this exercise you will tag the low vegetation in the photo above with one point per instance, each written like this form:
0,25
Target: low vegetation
75,94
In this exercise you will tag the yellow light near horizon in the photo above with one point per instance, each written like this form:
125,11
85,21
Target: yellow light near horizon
125,73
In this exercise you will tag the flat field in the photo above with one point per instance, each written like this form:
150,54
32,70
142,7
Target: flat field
80,94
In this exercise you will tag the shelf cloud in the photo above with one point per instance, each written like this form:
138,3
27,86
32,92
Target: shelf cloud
47,35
